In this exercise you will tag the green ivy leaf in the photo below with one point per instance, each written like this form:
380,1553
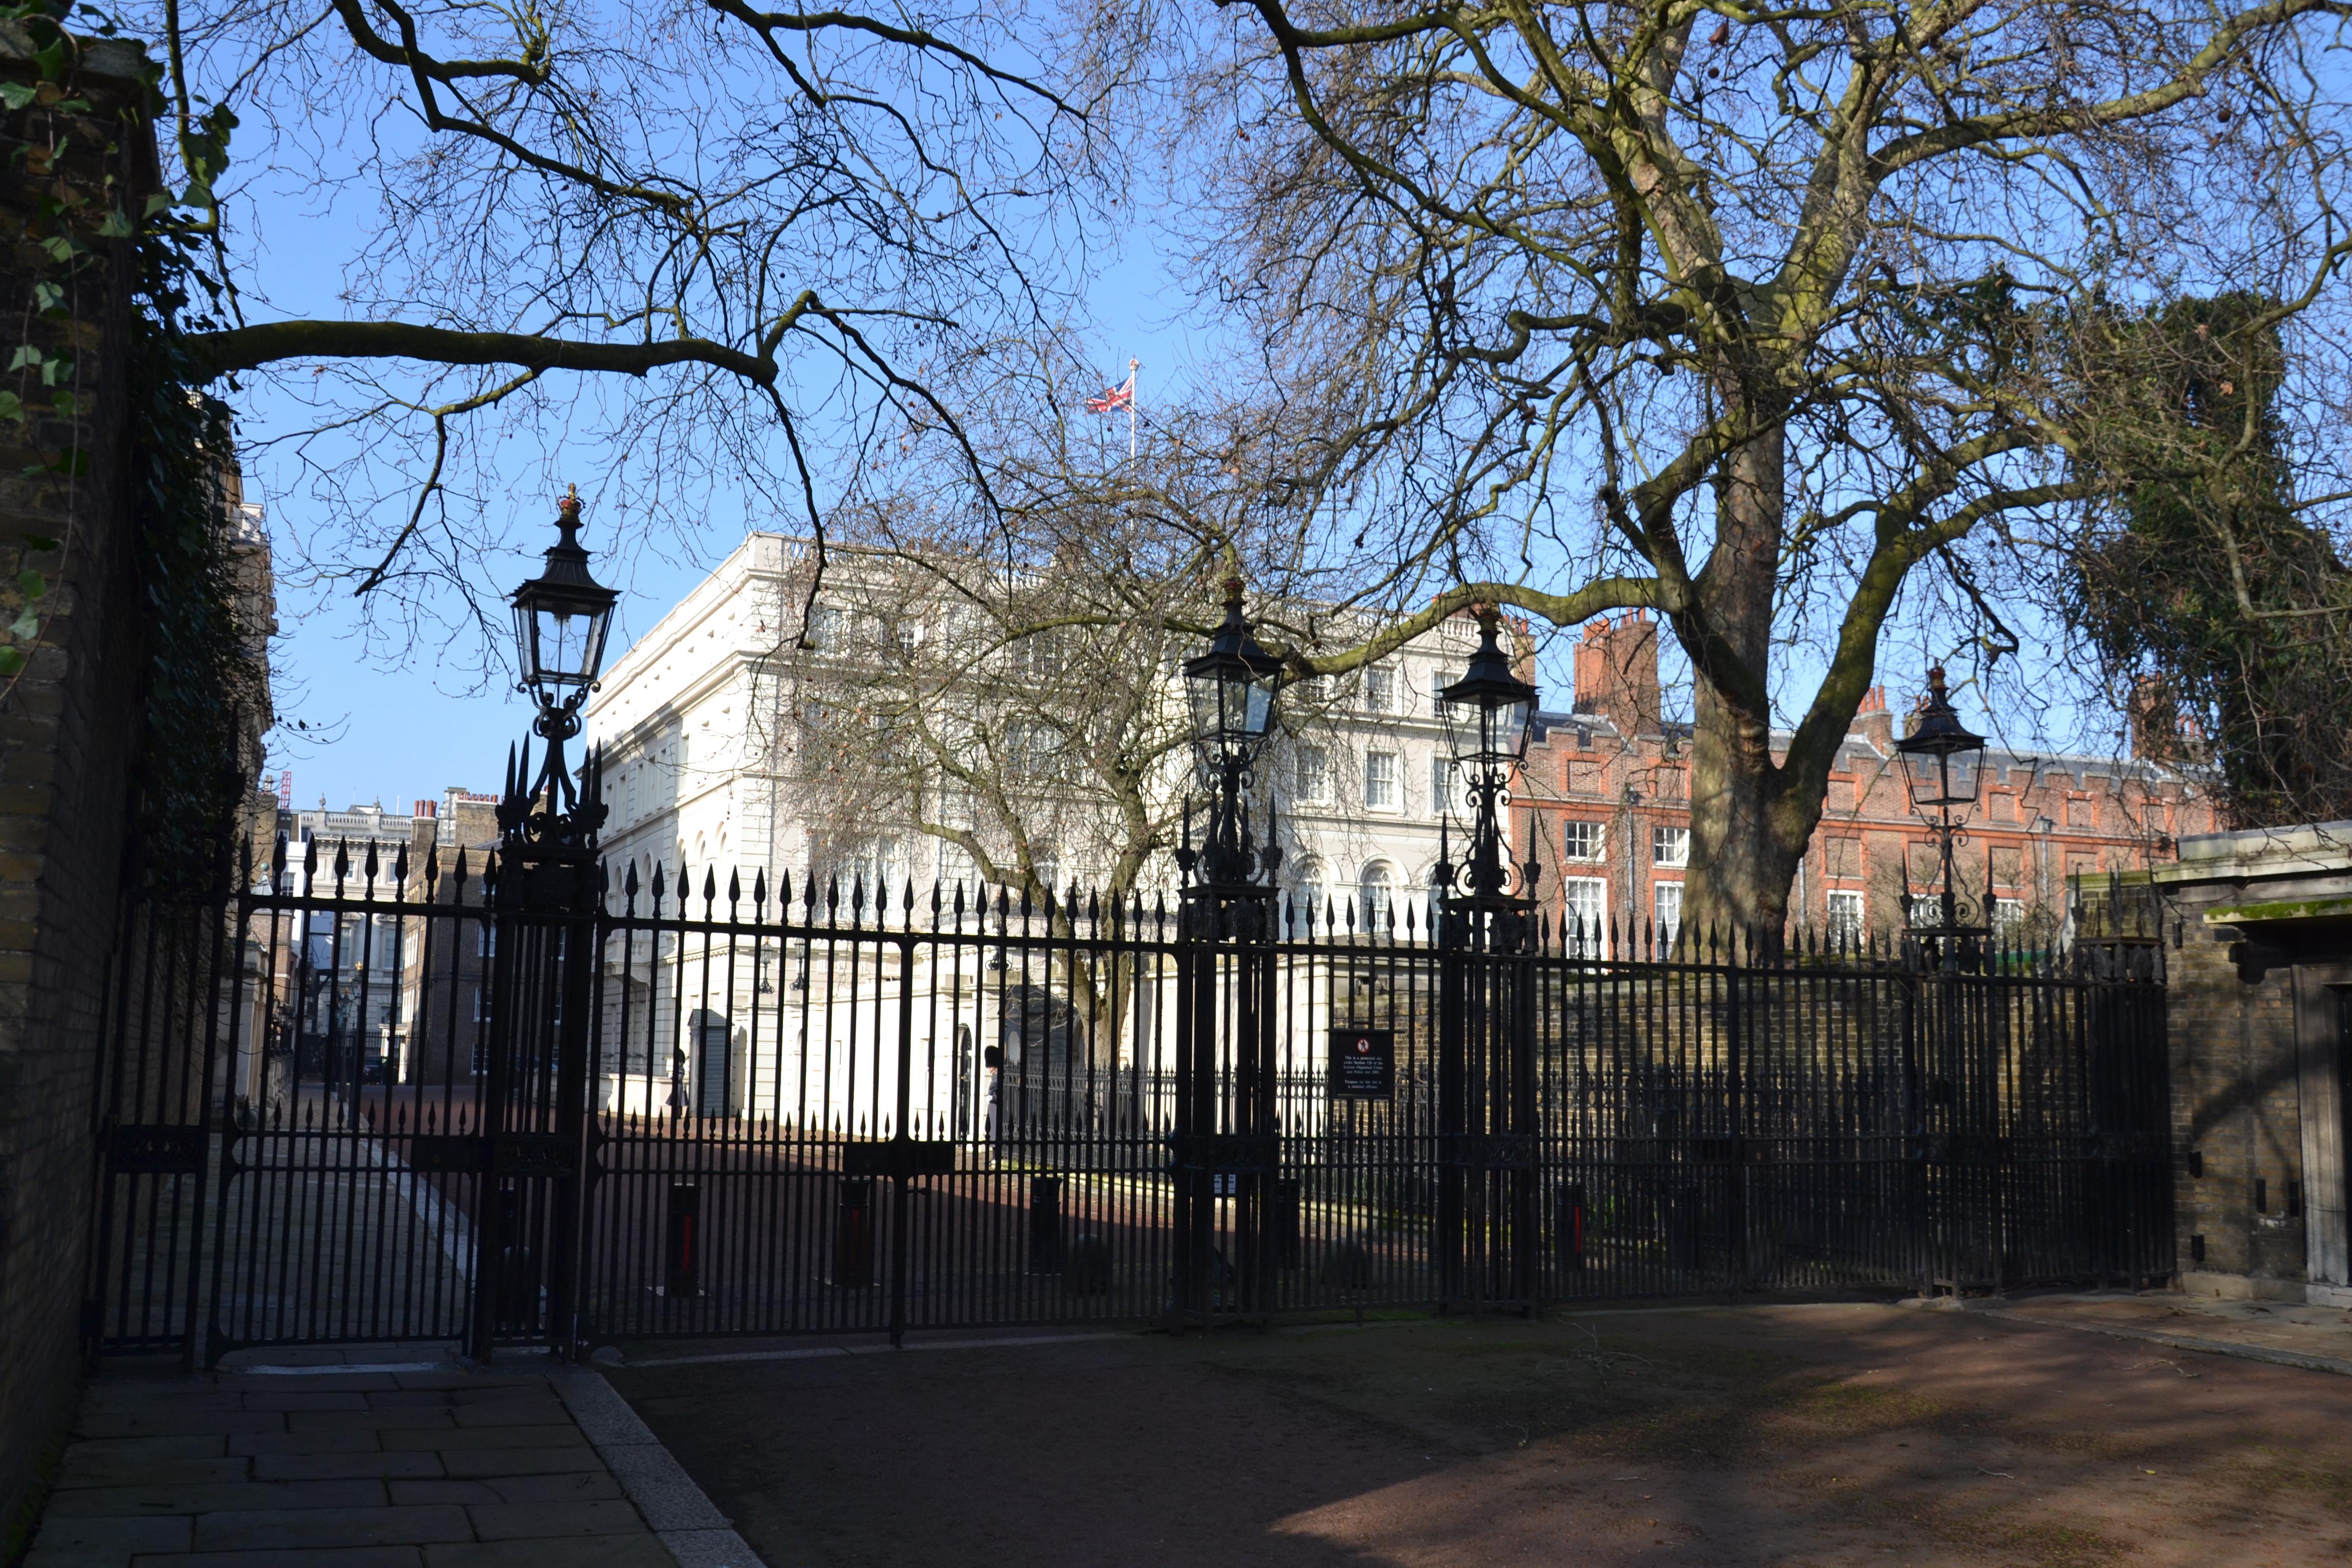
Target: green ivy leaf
31,583
47,296
26,625
12,660
40,542
16,94
11,406
115,226
59,247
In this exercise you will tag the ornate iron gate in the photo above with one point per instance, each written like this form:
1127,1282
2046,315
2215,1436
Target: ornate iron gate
526,1097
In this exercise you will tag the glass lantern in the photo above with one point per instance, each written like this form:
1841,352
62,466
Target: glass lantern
1231,688
561,618
1943,759
1488,712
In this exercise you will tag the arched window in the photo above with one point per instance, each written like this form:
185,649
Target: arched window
1308,894
1379,897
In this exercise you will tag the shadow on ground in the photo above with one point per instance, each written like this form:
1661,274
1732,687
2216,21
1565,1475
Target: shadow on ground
1824,1435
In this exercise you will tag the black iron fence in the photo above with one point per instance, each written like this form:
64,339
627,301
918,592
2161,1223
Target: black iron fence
362,1101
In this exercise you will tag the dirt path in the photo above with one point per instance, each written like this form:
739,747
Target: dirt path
1844,1434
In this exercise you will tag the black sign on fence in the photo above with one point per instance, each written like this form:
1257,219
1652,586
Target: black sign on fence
1363,1064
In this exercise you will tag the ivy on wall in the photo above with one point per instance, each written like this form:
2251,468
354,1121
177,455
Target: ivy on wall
202,694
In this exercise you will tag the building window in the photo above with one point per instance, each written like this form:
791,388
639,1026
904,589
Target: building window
1441,783
1666,911
1380,896
486,939
828,628
1314,771
1669,847
1580,841
877,867
1845,920
1379,691
2007,920
1584,912
481,1053
1380,779
1309,895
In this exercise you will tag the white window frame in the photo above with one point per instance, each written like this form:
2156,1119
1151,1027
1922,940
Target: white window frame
1379,780
1376,899
1667,912
1311,774
1379,688
1669,846
1846,914
1576,827
1441,778
1584,912
1308,894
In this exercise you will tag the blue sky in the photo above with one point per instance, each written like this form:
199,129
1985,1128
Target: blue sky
372,719
396,723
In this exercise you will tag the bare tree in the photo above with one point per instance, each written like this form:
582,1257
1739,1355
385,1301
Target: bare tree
1021,719
753,247
1763,318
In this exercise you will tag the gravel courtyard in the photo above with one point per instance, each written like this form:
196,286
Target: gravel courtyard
1819,1435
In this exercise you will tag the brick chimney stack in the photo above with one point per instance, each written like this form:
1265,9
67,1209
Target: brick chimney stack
1617,672
2155,728
1872,722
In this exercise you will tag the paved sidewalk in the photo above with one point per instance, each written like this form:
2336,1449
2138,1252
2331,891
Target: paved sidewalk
383,1457
2285,1334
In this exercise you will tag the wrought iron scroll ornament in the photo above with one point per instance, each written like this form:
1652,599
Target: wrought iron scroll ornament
555,811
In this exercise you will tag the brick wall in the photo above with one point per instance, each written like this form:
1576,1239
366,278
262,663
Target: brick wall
67,729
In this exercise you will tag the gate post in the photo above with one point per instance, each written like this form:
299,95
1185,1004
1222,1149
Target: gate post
546,902
1226,911
1446,1234
1487,1120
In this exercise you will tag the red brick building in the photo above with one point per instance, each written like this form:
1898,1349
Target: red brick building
1606,787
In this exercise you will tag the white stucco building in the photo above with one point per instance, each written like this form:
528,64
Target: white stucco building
686,714
718,1024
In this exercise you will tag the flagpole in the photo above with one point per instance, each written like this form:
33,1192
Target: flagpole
1132,366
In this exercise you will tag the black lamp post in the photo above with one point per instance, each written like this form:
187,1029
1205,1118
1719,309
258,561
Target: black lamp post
1231,688
1487,716
561,617
1227,984
534,1093
1943,763
1483,1239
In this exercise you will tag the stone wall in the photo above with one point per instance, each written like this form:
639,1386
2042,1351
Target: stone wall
2260,924
68,726
2236,1116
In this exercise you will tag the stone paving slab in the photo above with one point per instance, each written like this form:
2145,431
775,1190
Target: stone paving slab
408,1468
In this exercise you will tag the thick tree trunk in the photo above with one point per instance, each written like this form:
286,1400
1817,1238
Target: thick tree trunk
1746,840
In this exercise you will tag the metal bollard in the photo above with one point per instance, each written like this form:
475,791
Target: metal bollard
684,1239
1045,1224
1285,1221
853,1234
1568,1229
1682,1227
